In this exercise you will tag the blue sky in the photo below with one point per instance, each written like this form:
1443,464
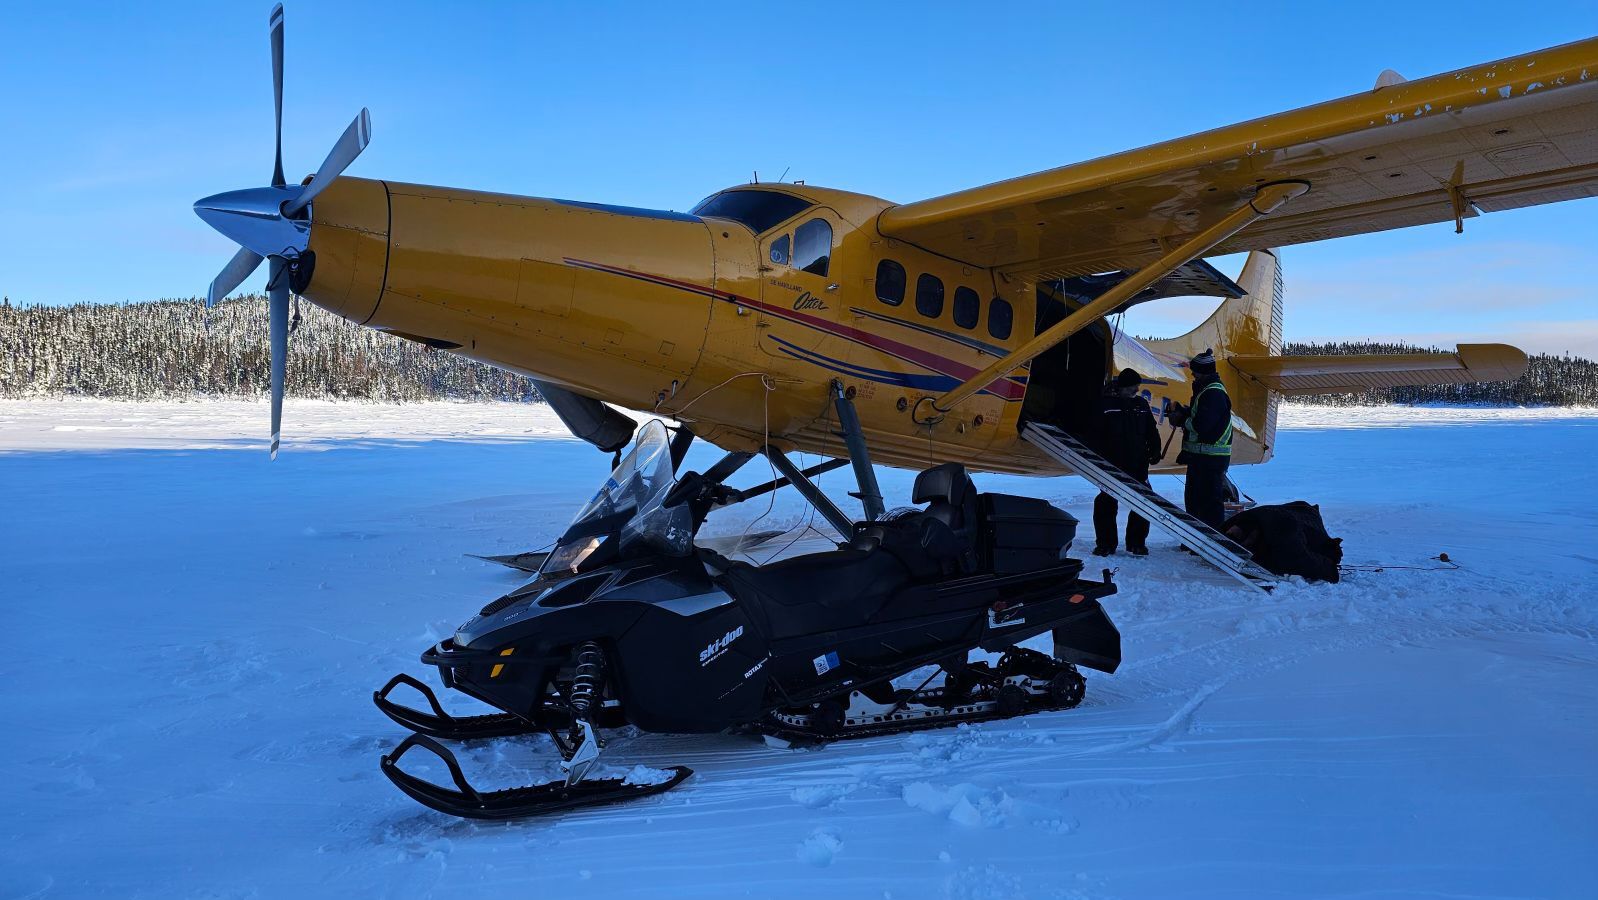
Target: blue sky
118,116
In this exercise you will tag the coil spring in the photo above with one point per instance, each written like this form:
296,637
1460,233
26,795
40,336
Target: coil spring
588,680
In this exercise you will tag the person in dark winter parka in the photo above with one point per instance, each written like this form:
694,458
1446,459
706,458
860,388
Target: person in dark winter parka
1128,439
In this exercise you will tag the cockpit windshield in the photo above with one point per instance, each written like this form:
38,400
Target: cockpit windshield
629,506
757,210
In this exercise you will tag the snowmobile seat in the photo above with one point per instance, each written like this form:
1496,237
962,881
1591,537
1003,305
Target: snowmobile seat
926,546
951,498
950,495
818,592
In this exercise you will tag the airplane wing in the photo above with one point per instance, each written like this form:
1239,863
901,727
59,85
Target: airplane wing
1297,376
1518,132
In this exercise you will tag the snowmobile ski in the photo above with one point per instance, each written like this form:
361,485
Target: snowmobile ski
514,803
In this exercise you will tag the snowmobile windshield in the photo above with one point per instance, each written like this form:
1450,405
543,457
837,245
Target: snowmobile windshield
629,508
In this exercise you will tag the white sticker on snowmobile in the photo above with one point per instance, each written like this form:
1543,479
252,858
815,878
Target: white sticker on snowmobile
1012,616
825,664
756,668
719,645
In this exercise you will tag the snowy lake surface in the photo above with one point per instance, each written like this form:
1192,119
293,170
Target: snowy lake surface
196,632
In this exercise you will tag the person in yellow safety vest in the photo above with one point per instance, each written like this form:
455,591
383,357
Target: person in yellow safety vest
1206,442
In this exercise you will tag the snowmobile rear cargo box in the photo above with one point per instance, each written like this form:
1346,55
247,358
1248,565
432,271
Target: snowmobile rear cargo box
1023,534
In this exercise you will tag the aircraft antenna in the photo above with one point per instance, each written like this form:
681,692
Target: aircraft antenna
783,175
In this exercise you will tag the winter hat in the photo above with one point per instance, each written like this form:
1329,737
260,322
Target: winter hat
1204,363
1128,378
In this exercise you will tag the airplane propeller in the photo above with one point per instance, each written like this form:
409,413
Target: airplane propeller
272,223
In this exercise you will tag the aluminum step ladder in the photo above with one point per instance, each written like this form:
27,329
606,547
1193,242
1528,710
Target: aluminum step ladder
1215,548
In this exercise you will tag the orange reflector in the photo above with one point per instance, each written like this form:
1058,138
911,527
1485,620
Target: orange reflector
500,667
1077,598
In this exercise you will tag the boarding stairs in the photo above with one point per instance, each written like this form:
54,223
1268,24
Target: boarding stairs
1215,548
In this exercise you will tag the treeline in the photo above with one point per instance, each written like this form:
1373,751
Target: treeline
177,349
1548,381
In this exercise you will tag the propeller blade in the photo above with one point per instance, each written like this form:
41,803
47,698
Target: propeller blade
275,25
279,335
350,144
232,275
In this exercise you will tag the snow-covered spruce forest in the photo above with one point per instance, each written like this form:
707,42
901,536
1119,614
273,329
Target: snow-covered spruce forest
174,349
170,349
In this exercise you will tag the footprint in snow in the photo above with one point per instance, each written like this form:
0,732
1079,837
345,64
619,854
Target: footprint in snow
820,847
962,804
820,796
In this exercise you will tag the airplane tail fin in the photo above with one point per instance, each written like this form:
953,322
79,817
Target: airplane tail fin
1250,325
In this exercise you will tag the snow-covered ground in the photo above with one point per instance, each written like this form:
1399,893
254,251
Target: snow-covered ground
194,634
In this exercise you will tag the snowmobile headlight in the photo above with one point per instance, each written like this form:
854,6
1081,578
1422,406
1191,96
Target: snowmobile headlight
567,557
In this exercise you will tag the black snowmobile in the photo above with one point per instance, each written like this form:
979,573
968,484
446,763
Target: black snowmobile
629,623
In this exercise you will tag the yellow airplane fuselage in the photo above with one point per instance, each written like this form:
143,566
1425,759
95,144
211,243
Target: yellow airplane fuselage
739,333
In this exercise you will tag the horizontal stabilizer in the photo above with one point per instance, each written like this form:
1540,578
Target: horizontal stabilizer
1298,376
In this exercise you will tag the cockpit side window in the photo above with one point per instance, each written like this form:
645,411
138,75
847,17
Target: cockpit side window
757,210
779,251
812,247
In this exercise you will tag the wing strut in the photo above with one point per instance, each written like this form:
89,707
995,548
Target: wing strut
1267,200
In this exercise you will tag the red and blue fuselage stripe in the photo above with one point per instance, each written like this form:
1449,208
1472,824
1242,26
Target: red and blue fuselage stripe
947,373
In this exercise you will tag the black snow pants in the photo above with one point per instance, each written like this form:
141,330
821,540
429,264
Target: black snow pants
1105,508
1205,496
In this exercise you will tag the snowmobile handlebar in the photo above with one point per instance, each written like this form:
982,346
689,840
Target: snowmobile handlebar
696,489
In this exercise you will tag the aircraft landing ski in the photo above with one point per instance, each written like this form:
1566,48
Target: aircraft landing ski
1215,548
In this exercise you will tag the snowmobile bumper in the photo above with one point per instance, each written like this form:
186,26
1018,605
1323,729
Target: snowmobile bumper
508,678
513,803
441,724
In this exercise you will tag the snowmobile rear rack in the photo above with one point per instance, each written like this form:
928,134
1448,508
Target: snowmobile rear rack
441,724
512,803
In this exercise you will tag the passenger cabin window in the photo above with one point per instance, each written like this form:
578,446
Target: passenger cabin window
779,251
759,211
890,282
929,296
967,307
812,247
1000,318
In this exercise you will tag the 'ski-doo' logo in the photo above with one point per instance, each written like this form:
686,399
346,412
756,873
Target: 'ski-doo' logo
808,300
720,645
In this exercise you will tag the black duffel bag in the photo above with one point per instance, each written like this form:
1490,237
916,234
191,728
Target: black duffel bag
1288,539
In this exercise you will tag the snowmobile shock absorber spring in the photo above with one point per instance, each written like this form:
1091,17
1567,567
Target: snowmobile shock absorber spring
588,680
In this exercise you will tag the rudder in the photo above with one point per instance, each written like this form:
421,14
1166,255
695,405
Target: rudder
1250,325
